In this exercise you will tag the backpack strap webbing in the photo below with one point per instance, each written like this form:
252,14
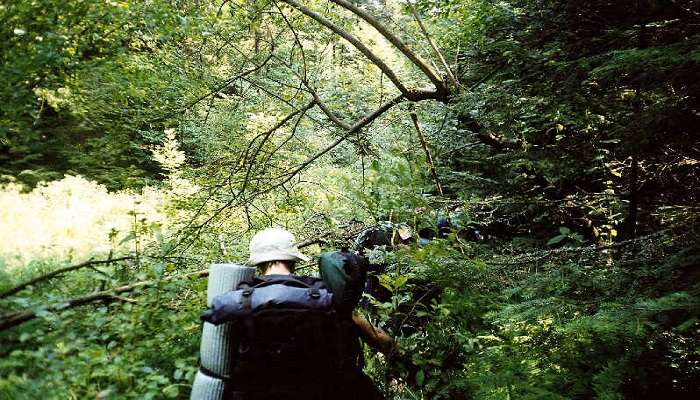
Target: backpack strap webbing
212,374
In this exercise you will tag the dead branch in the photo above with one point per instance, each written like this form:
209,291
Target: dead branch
353,40
57,272
296,40
364,121
495,140
393,39
498,141
228,82
433,46
283,179
269,156
334,118
13,319
265,135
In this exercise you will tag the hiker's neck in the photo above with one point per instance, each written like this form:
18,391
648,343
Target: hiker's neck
277,268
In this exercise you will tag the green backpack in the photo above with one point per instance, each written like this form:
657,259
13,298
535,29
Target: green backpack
345,274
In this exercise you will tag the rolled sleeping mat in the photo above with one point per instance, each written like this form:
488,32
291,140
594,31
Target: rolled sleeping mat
215,345
214,350
225,277
207,388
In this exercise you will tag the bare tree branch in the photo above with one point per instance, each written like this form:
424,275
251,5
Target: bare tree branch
281,180
12,319
415,58
57,272
498,141
493,139
296,40
284,142
437,51
364,121
334,118
428,155
353,40
227,83
265,136
440,94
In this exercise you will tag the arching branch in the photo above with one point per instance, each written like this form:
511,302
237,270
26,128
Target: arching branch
266,135
12,319
230,81
393,39
362,122
353,40
330,114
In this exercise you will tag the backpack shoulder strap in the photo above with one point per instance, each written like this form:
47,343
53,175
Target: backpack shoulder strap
287,280
248,283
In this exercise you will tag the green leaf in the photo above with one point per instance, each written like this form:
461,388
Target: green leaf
171,391
177,375
400,281
420,378
129,237
556,240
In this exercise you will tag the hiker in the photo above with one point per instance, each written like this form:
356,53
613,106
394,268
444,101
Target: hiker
444,226
422,292
377,236
289,340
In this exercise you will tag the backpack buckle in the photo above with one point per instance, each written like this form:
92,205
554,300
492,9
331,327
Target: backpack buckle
243,348
315,293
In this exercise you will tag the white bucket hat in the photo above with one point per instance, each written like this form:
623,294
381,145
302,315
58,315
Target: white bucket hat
274,244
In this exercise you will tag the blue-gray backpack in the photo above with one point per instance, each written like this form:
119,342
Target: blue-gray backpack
285,330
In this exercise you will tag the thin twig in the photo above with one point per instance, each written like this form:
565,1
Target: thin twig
426,149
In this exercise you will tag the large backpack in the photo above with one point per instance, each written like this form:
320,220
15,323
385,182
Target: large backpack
345,274
286,333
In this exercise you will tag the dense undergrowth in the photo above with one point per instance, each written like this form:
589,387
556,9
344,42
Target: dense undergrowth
485,320
573,323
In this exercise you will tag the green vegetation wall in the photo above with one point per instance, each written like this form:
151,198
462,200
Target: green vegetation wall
585,112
